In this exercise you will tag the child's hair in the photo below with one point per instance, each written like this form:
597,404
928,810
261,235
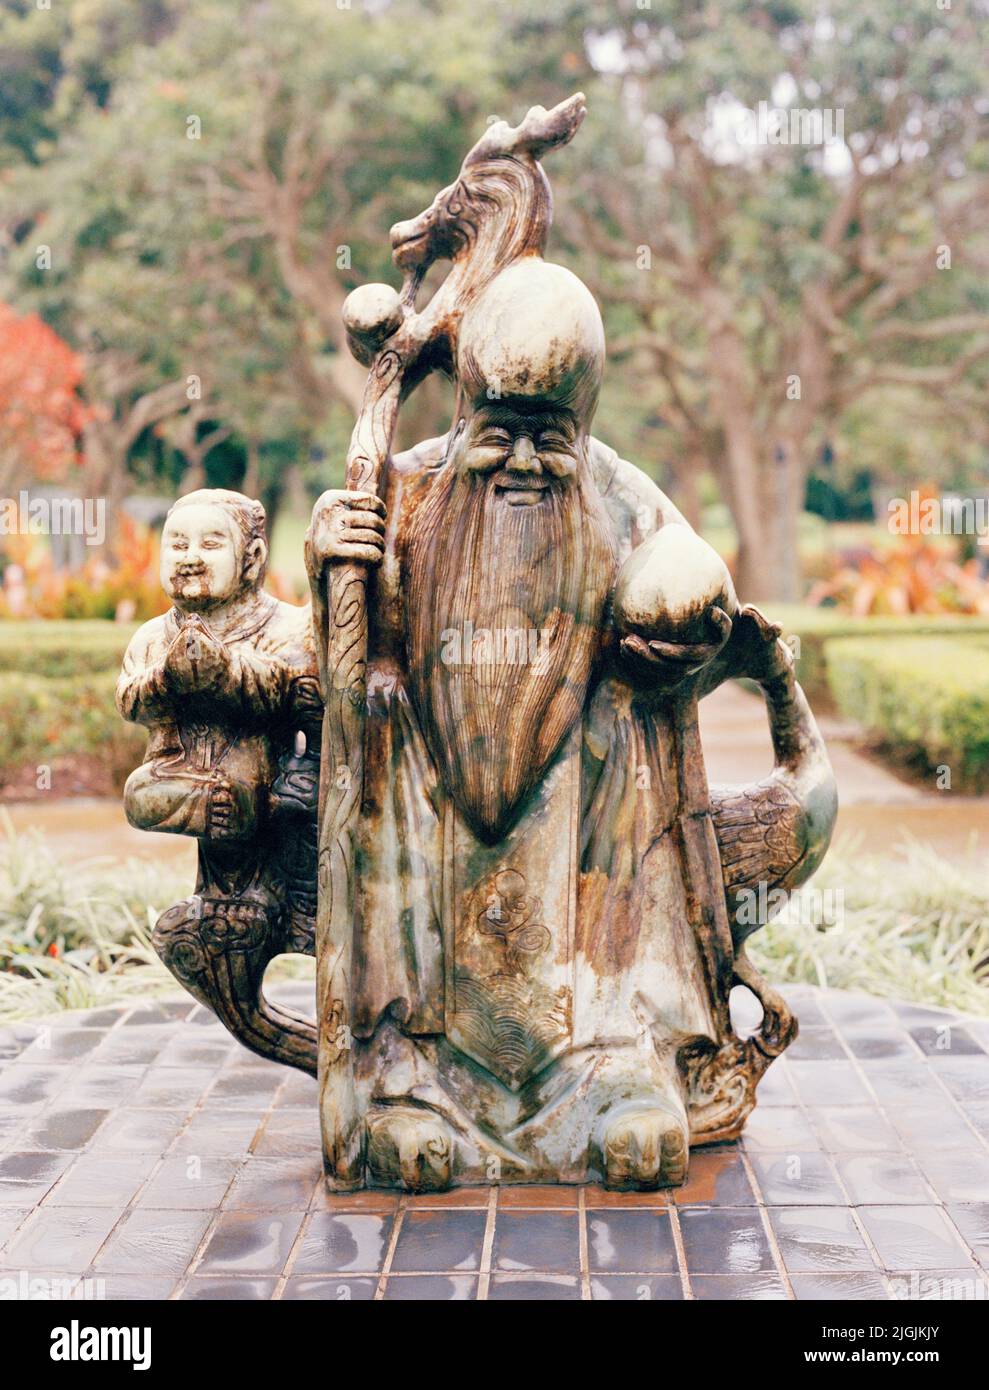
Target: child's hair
248,516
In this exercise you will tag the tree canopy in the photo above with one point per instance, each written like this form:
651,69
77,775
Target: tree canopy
189,191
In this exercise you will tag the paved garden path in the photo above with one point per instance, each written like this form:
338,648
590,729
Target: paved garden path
144,1151
875,806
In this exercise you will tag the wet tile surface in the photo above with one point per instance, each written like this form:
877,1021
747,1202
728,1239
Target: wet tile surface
145,1154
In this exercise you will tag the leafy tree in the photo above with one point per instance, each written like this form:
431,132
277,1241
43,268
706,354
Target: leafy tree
764,290
212,179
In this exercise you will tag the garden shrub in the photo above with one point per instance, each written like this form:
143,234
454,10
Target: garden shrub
926,699
44,719
63,648
817,627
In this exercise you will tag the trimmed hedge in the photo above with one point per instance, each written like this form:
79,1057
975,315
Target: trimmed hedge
42,719
59,647
927,699
817,627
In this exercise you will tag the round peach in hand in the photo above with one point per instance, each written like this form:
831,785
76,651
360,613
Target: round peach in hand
673,605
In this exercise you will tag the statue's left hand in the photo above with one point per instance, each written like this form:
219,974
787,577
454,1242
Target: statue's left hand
661,665
756,649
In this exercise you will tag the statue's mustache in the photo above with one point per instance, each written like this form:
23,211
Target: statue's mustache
506,479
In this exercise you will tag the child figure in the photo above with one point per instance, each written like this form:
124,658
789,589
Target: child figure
225,681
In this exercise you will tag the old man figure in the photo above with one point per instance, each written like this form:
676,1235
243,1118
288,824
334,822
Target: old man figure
542,950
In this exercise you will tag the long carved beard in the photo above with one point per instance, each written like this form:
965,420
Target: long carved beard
503,615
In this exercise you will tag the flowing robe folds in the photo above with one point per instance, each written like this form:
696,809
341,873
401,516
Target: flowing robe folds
521,988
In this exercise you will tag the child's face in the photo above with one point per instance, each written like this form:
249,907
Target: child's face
201,559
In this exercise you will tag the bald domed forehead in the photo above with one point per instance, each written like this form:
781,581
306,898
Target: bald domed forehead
535,331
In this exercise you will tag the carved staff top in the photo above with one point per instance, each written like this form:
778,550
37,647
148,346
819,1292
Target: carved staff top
499,209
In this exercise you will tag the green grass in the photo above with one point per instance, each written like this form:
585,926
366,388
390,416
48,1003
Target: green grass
914,926
76,935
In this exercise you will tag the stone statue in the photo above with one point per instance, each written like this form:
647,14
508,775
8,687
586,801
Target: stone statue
521,893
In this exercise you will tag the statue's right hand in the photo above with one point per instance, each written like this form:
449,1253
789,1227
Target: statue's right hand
346,526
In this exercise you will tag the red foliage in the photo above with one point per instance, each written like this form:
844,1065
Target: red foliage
913,576
41,414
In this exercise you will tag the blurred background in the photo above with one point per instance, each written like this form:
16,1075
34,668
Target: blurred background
782,210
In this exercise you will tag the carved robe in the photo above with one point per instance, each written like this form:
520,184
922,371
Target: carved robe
590,935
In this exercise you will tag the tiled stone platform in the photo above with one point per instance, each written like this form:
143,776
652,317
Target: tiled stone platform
142,1148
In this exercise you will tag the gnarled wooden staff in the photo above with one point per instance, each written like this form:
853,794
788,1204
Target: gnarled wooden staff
499,209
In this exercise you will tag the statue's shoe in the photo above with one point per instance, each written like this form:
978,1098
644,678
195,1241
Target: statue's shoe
643,1148
409,1148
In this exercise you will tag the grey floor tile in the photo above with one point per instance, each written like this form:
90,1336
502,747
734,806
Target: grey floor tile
795,1179
153,1242
131,1287
440,1240
882,1178
829,1083
945,1040
779,1128
839,1288
289,1134
956,1177
250,1242
229,1133
28,1088
101,1180
170,1088
63,1044
760,1287
189,1183
103,1087
854,1129
550,1289
433,1288
247,1089
10,1219
329,1289
817,1045
870,1043
819,1239
275,1184
247,1288
965,1078
64,1129
941,1286
724,1240
776,1088
899,1083
972,1219
633,1241
139,1131
636,1288
343,1244
717,1177
58,1240
934,1126
547,1241
912,1238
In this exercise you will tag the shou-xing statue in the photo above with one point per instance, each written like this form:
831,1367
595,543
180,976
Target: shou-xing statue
527,907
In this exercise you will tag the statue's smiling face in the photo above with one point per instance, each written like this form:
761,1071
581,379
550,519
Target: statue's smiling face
201,560
524,453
